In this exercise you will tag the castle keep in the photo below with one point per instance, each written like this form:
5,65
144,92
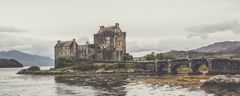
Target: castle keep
109,45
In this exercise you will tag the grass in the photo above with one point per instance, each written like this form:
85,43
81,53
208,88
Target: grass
203,68
183,69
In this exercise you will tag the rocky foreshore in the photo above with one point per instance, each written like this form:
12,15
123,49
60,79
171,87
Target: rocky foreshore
223,84
35,70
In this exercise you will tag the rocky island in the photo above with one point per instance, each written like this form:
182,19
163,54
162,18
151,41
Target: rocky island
9,63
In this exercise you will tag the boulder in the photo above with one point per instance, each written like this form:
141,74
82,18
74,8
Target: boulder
223,84
29,70
34,68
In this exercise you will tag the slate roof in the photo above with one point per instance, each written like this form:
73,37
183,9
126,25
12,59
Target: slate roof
64,44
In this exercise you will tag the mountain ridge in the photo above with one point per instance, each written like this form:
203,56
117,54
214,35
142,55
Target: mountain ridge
27,59
220,47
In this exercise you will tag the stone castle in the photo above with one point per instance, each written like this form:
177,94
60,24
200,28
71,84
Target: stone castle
109,45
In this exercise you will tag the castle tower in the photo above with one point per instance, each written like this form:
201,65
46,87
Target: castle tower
110,43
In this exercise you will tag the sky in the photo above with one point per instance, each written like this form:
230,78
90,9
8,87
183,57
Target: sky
34,26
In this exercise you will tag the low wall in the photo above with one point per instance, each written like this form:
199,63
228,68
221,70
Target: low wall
224,66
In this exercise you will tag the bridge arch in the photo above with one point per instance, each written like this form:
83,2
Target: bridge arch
175,64
196,64
162,67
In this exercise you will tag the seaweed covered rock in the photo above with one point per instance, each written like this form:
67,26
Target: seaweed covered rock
11,63
34,68
223,84
29,70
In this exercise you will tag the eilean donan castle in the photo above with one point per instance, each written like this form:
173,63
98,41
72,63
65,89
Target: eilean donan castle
109,45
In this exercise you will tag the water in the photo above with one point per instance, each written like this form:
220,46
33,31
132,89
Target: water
12,84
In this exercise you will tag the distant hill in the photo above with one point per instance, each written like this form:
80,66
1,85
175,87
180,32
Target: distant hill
27,59
226,49
221,47
11,63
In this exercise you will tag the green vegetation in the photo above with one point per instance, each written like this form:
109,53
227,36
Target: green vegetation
128,57
62,62
158,56
91,65
203,68
5,63
183,69
150,56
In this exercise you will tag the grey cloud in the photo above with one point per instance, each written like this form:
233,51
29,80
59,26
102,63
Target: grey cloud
158,45
11,29
204,30
82,40
29,45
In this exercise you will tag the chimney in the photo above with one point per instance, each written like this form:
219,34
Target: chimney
117,24
101,27
58,41
87,43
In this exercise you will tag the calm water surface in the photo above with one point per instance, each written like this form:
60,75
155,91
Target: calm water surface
12,84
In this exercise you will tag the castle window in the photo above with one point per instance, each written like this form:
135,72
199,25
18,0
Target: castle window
119,42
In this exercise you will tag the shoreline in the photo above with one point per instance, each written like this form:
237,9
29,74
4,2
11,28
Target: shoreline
192,82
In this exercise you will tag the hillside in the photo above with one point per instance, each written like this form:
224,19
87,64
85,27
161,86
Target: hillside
11,63
221,47
226,49
27,59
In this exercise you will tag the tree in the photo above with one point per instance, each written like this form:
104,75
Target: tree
160,56
150,56
128,57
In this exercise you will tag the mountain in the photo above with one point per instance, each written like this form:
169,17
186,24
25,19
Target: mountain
221,47
226,49
27,59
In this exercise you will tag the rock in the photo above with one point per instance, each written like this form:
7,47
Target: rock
100,70
130,70
109,71
34,68
223,84
29,70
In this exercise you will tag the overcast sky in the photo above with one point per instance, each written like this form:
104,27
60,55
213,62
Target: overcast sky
34,26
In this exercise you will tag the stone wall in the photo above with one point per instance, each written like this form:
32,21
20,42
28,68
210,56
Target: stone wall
67,49
224,66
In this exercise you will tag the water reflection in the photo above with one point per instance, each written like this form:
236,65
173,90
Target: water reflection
105,85
12,84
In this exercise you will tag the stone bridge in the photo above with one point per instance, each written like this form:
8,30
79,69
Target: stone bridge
215,66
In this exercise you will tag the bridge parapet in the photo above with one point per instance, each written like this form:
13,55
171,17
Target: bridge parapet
224,66
215,66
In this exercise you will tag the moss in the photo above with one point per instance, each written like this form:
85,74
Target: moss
64,69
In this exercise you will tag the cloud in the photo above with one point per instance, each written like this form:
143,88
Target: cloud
158,45
27,44
83,40
204,30
11,29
